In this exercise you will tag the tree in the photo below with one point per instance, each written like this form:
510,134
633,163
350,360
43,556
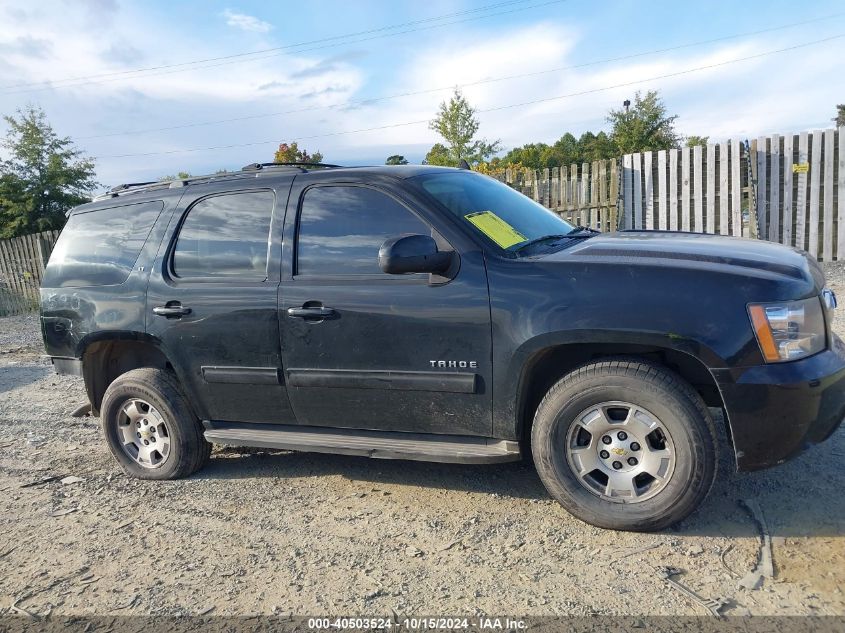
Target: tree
568,150
497,167
396,159
44,176
438,155
565,151
645,127
533,155
840,115
457,124
292,154
182,175
596,147
697,141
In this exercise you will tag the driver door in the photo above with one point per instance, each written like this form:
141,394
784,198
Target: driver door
364,349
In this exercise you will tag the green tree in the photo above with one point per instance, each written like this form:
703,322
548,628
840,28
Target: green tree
290,153
565,151
533,155
182,175
43,177
840,115
396,159
568,150
438,155
596,147
697,141
457,124
644,127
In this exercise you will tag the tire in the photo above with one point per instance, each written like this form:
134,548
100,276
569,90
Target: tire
147,407
668,423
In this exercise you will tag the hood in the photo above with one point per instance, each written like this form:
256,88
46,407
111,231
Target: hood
697,251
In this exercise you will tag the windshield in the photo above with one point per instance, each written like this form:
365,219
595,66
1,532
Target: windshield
499,213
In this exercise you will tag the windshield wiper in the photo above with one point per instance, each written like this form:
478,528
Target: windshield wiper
539,240
583,231
579,232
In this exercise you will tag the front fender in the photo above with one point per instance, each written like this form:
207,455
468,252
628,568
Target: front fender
513,376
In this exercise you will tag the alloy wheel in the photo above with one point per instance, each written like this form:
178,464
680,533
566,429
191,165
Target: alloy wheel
143,433
620,452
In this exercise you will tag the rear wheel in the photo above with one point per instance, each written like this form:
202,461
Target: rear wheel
150,427
625,445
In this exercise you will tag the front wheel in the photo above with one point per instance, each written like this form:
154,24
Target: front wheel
625,445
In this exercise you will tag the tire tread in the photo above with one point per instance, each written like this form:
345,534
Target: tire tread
196,450
663,378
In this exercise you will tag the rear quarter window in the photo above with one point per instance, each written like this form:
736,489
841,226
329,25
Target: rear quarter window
100,247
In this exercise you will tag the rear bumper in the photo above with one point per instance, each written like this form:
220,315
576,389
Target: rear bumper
776,411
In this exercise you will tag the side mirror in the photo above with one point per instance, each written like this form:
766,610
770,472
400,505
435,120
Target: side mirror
413,254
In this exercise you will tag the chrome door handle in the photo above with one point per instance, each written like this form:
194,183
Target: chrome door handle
311,313
171,311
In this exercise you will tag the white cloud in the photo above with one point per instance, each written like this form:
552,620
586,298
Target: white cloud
62,47
246,22
778,93
767,94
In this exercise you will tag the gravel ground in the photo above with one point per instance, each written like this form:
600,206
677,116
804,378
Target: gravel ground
261,532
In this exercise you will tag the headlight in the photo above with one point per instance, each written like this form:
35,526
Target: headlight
788,330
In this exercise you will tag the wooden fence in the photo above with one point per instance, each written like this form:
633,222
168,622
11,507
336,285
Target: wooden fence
689,189
704,189
22,262
779,188
801,191
701,189
586,194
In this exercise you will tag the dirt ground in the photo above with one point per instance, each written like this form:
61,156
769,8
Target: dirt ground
269,532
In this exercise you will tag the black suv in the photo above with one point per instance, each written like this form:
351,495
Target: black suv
437,314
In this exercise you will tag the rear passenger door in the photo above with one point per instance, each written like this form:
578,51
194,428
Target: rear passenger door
211,304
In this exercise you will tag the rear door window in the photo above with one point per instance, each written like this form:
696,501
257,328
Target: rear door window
100,247
226,236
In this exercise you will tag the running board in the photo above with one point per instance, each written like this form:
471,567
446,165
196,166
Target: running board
378,444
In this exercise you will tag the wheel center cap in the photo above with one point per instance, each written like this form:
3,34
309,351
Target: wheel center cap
619,455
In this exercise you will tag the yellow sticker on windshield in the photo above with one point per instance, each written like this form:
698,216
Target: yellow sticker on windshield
496,228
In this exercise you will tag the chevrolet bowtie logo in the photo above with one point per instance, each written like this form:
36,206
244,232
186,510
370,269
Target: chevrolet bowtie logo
618,451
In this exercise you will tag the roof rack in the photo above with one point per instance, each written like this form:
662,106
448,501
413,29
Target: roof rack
137,187
133,187
129,185
258,166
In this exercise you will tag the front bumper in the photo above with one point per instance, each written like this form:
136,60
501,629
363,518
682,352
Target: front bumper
775,411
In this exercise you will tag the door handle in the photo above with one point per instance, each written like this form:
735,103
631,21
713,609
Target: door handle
171,311
311,313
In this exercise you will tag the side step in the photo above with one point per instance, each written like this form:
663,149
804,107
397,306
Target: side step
456,449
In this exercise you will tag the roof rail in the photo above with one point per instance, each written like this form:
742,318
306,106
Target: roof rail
137,187
130,185
259,166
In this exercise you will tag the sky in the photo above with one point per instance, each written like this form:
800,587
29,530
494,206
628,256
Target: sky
358,81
